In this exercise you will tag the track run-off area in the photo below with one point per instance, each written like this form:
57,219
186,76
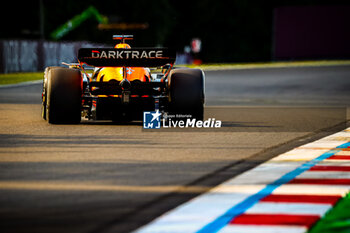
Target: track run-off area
108,177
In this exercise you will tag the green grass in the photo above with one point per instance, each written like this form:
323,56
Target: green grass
337,220
263,65
25,77
20,77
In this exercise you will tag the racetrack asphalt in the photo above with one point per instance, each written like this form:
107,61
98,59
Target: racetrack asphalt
104,177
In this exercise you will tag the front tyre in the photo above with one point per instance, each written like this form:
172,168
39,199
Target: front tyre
64,96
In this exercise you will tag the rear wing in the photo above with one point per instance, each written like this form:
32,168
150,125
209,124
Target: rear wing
134,57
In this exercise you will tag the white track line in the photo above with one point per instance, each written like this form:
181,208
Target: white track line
262,229
289,208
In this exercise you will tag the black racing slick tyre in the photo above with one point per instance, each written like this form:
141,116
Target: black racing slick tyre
44,92
186,92
64,96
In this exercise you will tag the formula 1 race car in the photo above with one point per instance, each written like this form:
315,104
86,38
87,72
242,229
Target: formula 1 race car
120,88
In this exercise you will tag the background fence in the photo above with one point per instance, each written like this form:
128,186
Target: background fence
31,56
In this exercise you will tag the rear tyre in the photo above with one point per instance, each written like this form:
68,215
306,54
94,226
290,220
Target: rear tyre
44,92
64,91
186,92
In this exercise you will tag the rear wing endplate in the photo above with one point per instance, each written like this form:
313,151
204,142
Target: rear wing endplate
135,57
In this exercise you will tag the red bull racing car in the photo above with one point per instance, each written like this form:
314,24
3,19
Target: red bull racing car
122,86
